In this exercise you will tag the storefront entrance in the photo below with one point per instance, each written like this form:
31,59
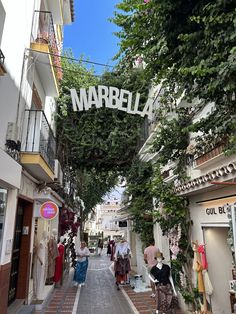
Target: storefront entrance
21,256
219,259
16,254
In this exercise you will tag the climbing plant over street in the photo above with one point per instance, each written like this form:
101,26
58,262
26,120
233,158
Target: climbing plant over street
97,146
140,202
190,47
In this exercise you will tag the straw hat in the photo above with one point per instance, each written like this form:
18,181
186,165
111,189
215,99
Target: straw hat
159,255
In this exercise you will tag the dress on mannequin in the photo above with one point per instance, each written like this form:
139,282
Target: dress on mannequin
59,261
52,255
160,275
40,267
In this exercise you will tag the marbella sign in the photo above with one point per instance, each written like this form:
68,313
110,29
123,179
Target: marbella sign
110,97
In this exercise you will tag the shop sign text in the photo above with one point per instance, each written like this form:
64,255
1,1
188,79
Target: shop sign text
110,97
49,210
215,211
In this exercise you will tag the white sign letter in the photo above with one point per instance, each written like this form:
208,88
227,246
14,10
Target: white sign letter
147,110
124,100
75,100
103,95
92,97
113,95
81,103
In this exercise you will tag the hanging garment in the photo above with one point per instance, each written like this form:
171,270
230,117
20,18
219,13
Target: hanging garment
59,263
201,250
207,283
200,282
164,296
52,255
40,269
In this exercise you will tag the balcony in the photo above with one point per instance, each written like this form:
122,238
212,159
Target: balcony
2,67
38,146
56,7
68,11
211,157
45,49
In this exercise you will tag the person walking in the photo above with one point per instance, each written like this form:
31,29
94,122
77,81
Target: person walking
81,265
150,253
100,246
122,262
112,246
108,247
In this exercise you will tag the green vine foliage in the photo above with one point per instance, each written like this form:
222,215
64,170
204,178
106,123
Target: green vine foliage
102,138
174,214
92,185
172,139
96,146
190,46
140,204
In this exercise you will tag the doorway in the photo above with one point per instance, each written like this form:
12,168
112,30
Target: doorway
16,254
219,259
21,256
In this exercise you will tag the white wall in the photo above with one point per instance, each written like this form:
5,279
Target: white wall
161,242
15,38
219,260
139,255
9,226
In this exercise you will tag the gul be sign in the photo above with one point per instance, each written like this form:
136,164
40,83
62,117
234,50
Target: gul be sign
110,97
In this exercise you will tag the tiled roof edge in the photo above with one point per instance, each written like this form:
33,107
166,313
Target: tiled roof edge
72,9
213,175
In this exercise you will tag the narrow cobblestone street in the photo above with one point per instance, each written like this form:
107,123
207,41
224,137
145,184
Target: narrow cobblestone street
99,295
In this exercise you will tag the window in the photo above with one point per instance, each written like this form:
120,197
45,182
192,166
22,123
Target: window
123,224
3,205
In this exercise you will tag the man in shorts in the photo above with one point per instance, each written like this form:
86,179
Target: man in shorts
150,260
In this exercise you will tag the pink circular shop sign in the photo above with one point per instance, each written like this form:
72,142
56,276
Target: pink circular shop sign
49,210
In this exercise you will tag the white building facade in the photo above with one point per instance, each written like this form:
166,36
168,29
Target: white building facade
210,191
107,219
31,34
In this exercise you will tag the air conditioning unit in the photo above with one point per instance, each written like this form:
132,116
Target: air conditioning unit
12,132
58,173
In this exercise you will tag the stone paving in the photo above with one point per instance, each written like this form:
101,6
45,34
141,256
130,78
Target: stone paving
62,300
99,295
143,302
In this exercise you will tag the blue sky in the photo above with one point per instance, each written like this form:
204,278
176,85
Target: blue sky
92,34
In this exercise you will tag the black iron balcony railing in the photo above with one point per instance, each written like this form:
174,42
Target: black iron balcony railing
38,136
43,32
2,57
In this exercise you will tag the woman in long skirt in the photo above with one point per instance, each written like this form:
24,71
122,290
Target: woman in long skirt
122,262
81,265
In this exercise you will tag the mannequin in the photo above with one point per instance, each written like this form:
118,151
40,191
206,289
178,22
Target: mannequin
40,267
52,255
160,275
59,261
